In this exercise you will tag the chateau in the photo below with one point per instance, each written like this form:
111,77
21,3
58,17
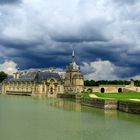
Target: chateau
53,83
48,82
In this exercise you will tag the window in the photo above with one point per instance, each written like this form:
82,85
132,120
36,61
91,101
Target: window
102,90
120,90
43,89
51,90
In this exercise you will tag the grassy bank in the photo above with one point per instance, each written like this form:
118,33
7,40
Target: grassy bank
120,96
117,96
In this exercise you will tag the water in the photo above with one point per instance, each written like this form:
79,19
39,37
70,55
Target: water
28,118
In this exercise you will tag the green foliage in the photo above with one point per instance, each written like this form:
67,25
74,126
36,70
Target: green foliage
121,96
137,83
106,82
90,83
85,95
2,76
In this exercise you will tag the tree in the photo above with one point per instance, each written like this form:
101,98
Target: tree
3,76
106,82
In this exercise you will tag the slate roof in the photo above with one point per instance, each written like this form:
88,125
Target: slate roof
45,75
9,77
34,76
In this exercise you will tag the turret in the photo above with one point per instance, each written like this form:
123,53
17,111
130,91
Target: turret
73,79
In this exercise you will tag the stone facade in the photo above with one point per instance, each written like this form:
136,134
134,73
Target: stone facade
48,83
39,83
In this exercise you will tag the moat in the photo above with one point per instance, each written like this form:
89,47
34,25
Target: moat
34,118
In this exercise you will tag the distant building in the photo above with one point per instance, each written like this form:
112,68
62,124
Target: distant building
45,82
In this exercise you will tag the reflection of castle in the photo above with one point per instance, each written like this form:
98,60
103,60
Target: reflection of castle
49,82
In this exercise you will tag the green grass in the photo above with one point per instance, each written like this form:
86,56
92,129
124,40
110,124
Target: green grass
119,96
86,95
116,96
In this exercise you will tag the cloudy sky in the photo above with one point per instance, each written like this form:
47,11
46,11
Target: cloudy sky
42,33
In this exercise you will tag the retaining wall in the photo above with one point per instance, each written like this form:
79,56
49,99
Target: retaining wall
129,107
100,103
125,106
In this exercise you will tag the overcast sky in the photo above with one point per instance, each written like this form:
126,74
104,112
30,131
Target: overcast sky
42,33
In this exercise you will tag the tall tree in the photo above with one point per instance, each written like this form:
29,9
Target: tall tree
3,76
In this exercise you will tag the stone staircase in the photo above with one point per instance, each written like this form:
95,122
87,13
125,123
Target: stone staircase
130,89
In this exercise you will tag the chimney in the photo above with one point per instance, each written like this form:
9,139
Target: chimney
16,75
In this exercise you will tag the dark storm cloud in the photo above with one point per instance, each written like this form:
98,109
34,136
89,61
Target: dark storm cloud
29,55
9,1
85,34
18,44
118,54
103,50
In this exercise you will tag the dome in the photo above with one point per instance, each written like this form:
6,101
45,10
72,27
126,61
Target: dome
73,66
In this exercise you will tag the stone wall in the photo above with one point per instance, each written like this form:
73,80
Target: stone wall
125,106
106,88
100,103
111,88
130,107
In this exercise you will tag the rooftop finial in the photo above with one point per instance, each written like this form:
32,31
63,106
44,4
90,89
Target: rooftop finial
73,56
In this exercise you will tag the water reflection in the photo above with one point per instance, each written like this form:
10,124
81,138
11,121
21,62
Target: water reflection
111,113
65,104
39,118
129,117
70,105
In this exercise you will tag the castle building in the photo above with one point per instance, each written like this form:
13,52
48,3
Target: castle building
47,83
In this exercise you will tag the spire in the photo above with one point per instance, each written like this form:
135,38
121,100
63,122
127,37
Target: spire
73,56
73,65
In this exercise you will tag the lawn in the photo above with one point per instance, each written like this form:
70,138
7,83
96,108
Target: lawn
120,96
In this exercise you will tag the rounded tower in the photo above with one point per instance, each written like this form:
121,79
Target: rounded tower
74,81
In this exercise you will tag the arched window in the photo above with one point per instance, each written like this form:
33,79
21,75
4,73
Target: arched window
89,90
102,90
52,81
43,89
119,90
58,88
51,90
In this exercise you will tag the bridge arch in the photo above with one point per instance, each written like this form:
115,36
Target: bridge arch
89,90
102,90
119,90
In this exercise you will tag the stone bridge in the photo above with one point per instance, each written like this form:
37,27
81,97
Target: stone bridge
111,89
